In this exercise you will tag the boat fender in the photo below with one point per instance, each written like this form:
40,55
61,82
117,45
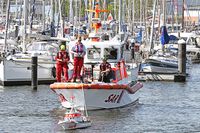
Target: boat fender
198,55
53,71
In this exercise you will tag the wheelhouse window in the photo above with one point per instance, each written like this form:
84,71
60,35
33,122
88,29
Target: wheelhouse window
111,53
94,53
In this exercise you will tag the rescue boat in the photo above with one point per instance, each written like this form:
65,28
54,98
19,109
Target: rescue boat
121,91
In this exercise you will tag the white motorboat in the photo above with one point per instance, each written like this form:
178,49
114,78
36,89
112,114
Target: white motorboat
15,69
121,92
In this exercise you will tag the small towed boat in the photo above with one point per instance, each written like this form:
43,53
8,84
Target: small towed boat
74,119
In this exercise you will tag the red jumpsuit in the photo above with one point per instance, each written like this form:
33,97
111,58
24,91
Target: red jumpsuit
79,50
61,65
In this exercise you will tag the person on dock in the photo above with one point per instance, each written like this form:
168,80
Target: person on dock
132,48
62,59
79,52
105,71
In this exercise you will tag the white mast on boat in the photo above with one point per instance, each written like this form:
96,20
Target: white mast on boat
133,15
32,15
183,8
120,16
115,9
141,2
61,19
52,19
76,13
104,7
79,13
25,23
128,6
123,14
172,15
2,7
86,7
152,26
164,17
16,10
43,15
6,26
71,14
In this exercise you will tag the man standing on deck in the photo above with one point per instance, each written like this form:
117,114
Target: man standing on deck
79,52
62,59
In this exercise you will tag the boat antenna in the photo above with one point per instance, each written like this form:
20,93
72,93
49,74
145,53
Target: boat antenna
96,19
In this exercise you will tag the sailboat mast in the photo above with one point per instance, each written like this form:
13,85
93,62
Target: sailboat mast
164,18
172,19
183,13
115,9
25,22
6,26
76,12
141,1
152,25
32,15
176,11
104,7
86,7
120,16
80,6
16,13
71,14
61,18
43,15
133,14
52,19
2,8
164,12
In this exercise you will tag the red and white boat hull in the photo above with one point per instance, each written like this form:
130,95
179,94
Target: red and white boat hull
98,98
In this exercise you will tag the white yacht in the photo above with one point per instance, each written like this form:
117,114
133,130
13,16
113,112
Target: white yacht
15,68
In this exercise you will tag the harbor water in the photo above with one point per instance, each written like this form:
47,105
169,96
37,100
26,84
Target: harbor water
163,107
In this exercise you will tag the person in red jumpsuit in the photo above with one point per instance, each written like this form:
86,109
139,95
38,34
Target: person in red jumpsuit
62,59
79,52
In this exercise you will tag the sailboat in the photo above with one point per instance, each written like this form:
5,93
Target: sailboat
15,67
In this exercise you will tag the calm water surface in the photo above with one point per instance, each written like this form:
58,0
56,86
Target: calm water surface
163,107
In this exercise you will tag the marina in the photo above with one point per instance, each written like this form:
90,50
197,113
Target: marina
162,107
99,66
